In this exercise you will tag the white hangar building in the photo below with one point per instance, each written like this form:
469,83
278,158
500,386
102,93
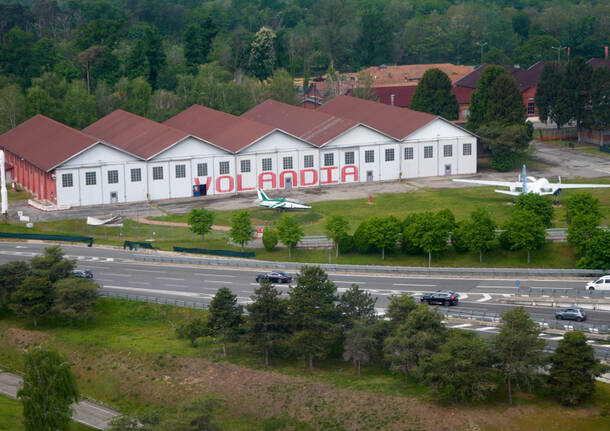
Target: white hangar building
127,158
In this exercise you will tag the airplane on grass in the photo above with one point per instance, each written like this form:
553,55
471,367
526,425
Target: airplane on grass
281,203
539,186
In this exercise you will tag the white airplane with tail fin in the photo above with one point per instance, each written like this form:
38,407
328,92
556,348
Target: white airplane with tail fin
281,203
539,186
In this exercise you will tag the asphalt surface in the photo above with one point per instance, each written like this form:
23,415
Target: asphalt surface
117,273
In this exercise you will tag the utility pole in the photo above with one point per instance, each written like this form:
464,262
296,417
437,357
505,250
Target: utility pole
558,48
482,45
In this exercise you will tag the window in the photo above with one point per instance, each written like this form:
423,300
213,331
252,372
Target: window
531,108
66,180
287,163
428,152
465,114
136,175
267,164
308,161
223,168
202,169
180,171
113,177
448,150
158,173
244,166
369,156
389,154
329,159
349,158
408,153
90,179
467,150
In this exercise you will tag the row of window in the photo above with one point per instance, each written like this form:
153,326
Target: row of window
267,165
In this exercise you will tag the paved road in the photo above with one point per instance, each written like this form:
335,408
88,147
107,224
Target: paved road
85,412
115,271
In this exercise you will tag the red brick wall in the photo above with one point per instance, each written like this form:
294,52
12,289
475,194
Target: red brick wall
37,181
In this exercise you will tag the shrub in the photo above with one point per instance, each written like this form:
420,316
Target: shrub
270,238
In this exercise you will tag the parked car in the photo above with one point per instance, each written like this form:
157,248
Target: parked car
82,273
601,284
571,313
442,297
274,277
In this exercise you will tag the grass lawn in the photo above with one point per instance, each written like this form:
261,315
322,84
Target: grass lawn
11,416
129,356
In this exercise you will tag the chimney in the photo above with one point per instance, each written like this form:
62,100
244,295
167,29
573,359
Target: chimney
606,52
392,99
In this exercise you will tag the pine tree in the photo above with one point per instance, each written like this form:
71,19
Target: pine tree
574,92
241,227
505,102
433,95
547,91
225,316
480,97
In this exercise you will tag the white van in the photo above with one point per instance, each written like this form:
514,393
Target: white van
601,284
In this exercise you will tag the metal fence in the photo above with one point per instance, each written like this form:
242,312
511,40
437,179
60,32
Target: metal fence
154,299
567,293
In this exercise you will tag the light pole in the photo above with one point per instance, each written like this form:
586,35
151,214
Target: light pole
558,48
482,45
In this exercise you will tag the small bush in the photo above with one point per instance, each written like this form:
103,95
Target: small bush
270,238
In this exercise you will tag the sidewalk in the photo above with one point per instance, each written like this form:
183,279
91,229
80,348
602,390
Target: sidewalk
85,412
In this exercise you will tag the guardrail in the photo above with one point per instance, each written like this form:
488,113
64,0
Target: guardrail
154,299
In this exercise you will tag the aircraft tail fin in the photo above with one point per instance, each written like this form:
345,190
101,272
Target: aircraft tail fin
524,186
261,195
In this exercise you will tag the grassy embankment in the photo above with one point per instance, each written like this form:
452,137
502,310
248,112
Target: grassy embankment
130,357
11,417
461,201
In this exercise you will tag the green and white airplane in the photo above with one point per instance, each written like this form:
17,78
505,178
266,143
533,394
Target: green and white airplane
281,203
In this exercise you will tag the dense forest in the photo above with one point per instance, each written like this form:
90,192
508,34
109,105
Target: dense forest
77,60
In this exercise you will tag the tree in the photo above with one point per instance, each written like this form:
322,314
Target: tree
597,252
241,227
521,24
376,35
581,230
75,298
518,350
155,56
508,144
384,234
505,102
79,106
267,323
262,53
582,203
336,229
461,370
537,204
523,230
600,102
574,369
12,274
574,94
313,313
547,91
38,101
433,95
289,231
225,316
364,89
399,308
136,64
201,221
33,298
359,343
270,238
429,232
482,231
53,264
537,48
280,87
49,388
480,97
418,338
356,304
192,330
12,107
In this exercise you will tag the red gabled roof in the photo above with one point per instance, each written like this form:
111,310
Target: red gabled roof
525,78
402,95
44,142
462,94
395,122
219,128
598,62
314,127
136,135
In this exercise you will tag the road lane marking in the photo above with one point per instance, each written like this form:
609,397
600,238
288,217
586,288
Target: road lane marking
96,267
414,285
553,288
485,328
176,285
463,325
139,282
158,291
349,282
214,275
496,287
170,278
149,270
117,275
486,297
218,281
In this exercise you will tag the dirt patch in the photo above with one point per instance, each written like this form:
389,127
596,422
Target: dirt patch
22,338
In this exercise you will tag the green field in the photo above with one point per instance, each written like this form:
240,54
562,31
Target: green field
11,416
130,358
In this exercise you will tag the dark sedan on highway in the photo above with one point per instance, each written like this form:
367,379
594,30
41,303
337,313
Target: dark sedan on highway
274,277
447,298
82,273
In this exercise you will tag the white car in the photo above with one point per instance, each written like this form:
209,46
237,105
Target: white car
601,284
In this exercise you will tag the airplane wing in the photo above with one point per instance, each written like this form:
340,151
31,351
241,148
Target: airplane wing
506,192
581,186
491,183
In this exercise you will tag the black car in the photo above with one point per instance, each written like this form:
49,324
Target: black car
571,313
441,297
82,273
274,277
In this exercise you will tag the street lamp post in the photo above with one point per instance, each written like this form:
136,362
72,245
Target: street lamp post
482,45
558,48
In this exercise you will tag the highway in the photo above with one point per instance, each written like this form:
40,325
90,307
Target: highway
116,272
